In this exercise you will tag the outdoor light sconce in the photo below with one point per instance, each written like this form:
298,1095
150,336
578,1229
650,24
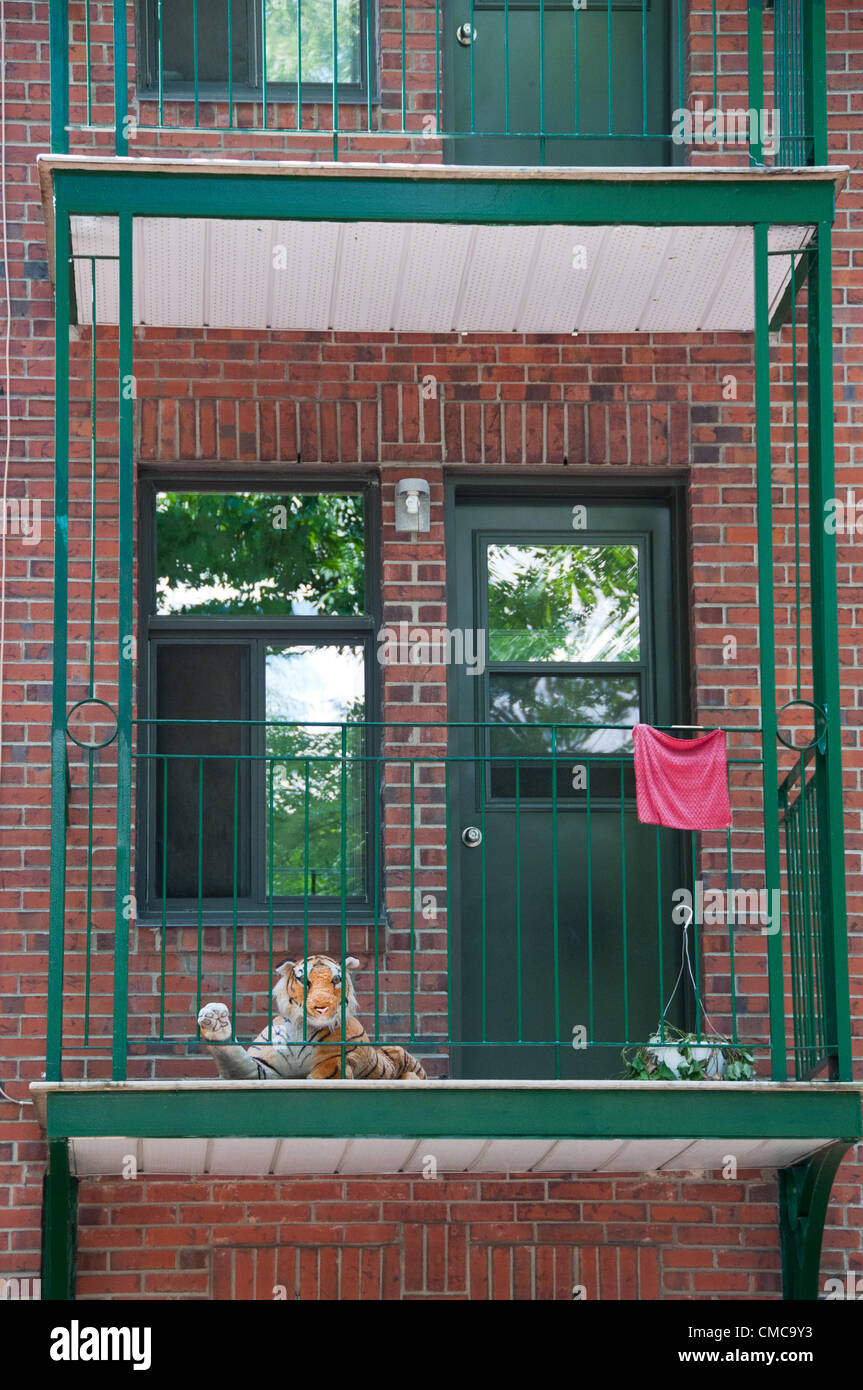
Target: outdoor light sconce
413,505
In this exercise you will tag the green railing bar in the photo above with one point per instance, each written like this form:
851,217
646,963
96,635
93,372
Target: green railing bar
121,81
58,42
660,914
125,629
589,869
471,72
264,59
91,685
576,115
505,64
825,632
236,865
518,960
815,77
696,951
437,66
681,79
815,922
447,842
306,868
200,957
89,64
88,954
766,638
404,67
163,943
541,81
805,881
729,863
555,899
412,913
755,50
299,65
376,876
343,914
623,902
195,58
817,916
610,72
228,9
161,62
482,872
369,63
270,853
796,451
790,824
643,66
336,75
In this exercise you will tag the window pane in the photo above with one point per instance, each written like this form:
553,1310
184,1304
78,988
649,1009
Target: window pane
316,794
316,17
178,42
202,806
519,701
563,603
259,553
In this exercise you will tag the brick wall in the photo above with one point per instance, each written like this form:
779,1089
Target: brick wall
609,405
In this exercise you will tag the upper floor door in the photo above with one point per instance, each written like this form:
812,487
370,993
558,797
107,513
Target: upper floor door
558,81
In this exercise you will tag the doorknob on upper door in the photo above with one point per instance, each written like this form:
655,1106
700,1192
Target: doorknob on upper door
465,33
471,836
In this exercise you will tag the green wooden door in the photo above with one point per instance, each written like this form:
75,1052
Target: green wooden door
561,900
546,82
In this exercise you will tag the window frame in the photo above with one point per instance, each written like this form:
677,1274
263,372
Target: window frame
313,93
155,630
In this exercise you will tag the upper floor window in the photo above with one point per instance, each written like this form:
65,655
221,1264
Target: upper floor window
235,49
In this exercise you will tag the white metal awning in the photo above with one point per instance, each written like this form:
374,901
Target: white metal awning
415,277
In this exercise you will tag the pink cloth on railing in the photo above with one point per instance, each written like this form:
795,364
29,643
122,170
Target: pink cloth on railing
681,782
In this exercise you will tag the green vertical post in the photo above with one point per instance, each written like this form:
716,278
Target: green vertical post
815,77
59,53
755,51
767,644
825,640
57,901
59,1223
121,81
125,649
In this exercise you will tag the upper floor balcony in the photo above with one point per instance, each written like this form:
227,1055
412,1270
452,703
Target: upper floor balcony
610,83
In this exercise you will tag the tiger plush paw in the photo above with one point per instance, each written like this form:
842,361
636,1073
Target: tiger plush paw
214,1021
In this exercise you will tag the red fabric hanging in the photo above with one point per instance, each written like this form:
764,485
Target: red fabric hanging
681,783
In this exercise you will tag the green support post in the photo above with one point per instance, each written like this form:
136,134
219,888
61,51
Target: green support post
815,77
58,33
121,81
767,644
59,763
59,1225
825,642
124,902
804,1196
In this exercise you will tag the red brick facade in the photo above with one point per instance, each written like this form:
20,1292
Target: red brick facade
608,406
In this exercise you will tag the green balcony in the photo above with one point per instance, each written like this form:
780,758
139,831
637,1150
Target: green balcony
526,82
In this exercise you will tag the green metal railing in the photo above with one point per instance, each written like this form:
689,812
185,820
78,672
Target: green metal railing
497,81
801,801
362,834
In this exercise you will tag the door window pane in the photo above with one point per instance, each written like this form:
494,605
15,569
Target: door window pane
563,603
259,553
318,797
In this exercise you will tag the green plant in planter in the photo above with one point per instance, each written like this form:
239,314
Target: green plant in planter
670,1055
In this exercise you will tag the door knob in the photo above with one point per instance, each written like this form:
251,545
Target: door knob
471,836
465,33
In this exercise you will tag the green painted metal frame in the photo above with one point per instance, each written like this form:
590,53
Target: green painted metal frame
635,1110
804,1196
59,1223
493,198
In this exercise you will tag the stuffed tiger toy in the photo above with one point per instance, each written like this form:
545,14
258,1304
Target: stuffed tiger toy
312,987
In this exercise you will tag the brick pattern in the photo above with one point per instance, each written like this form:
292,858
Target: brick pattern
523,1238
604,404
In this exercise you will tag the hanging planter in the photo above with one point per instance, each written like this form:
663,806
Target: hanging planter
670,1055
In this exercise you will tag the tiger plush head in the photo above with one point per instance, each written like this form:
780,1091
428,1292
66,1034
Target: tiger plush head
316,984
